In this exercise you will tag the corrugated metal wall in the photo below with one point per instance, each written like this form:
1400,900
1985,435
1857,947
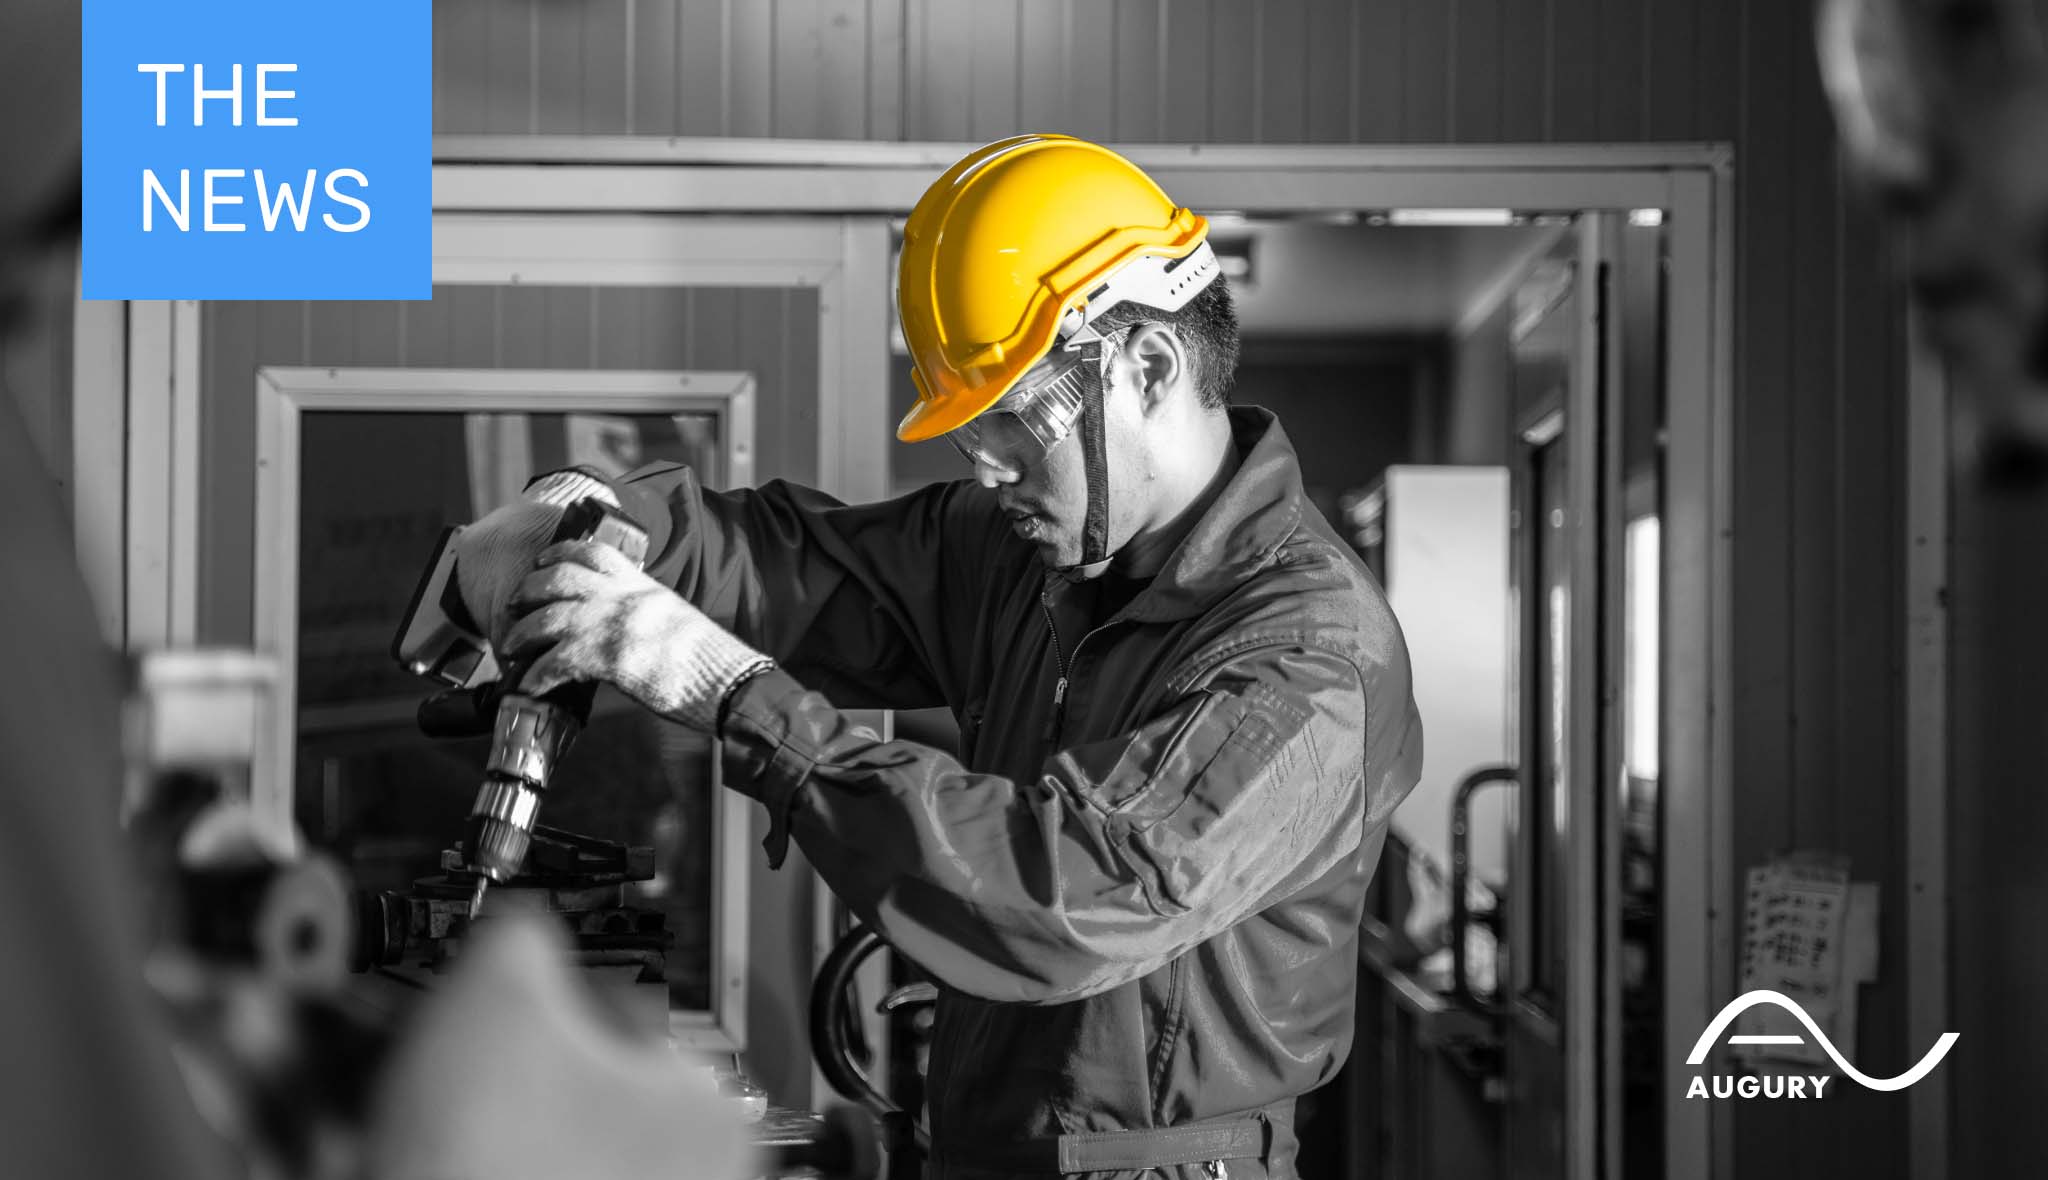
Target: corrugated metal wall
1818,520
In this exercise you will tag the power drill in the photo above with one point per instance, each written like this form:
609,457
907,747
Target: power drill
439,639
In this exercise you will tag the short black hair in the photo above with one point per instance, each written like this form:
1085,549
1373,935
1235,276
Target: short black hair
1207,325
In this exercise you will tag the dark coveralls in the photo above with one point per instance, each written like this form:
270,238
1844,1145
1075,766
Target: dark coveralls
1141,883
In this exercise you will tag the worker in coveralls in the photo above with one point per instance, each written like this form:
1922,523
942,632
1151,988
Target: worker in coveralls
1184,706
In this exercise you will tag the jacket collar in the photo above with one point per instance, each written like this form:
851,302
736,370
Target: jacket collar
1244,526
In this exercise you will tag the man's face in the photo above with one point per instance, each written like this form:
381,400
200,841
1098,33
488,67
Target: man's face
1047,501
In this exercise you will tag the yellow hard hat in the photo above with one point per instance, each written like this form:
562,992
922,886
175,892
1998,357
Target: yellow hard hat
1020,242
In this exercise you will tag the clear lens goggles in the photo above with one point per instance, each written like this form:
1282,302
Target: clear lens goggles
1018,431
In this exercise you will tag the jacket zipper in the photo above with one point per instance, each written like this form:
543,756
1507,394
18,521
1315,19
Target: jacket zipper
1059,692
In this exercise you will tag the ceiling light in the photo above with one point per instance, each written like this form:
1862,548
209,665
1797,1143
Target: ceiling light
1454,217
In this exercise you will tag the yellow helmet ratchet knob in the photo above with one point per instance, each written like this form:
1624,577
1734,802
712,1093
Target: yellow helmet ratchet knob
1003,246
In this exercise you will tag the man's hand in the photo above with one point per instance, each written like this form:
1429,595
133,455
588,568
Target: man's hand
589,614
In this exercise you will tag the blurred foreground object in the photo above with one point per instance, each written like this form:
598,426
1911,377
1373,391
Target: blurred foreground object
39,121
249,941
502,1068
90,1085
512,1074
1942,107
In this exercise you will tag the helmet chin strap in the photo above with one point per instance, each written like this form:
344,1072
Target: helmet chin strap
1095,463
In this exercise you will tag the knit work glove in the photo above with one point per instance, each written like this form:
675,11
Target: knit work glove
493,555
587,613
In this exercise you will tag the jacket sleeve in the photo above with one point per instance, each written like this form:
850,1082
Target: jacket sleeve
1121,856
870,604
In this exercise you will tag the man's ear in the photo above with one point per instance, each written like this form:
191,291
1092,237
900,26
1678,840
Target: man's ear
1161,362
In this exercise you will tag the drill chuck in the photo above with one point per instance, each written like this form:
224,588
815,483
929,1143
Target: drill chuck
501,827
527,741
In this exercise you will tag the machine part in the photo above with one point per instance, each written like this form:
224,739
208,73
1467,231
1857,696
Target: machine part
194,709
292,922
841,1145
579,880
1461,873
828,1030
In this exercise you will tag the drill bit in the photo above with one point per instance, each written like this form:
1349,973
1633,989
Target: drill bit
476,897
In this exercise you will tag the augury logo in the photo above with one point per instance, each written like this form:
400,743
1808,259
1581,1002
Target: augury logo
1795,1086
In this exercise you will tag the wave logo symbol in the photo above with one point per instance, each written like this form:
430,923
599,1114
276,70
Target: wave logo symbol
1748,1000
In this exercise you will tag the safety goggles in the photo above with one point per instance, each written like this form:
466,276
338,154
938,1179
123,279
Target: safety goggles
1020,430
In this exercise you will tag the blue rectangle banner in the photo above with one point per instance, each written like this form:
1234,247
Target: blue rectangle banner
257,149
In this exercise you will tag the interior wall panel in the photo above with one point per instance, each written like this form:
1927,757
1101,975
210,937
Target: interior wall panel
428,334
1572,40
887,68
1092,59
1185,74
1477,55
1428,69
993,67
1281,71
604,74
750,69
1764,579
462,48
1378,67
652,62
1041,57
1326,71
1671,46
1233,80
703,70
1623,102
839,65
508,67
559,98
1138,70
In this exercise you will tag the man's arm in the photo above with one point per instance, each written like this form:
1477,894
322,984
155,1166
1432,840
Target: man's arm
1123,854
873,604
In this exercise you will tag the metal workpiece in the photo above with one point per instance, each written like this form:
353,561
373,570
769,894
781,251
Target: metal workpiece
528,739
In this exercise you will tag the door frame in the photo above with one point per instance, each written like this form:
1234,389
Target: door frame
833,183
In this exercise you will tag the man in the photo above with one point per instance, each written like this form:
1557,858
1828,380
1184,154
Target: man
1184,705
